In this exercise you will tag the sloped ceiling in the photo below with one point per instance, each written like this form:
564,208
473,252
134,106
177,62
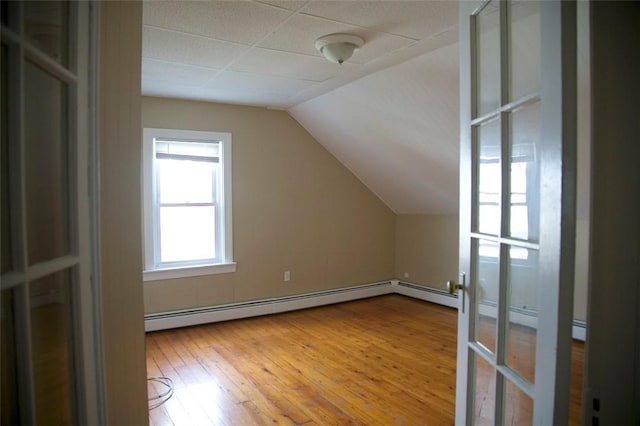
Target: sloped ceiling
397,130
389,114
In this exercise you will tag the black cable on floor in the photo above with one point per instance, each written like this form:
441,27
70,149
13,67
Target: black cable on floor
158,400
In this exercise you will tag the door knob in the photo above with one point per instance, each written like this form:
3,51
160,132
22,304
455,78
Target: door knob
453,287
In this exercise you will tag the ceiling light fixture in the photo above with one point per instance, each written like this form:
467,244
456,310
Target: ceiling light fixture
338,47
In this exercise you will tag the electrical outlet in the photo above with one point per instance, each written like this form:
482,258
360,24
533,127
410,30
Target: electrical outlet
406,275
287,275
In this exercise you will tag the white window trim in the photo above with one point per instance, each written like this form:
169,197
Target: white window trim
152,271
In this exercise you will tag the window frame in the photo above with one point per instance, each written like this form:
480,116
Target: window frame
153,268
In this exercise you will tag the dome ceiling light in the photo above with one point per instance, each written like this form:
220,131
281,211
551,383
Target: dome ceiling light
338,47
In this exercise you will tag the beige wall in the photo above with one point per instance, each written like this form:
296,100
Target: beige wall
295,207
427,249
288,217
120,246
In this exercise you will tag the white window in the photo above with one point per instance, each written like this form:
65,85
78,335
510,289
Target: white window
187,203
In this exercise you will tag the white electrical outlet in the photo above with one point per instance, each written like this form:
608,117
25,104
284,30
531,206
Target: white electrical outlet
287,275
406,275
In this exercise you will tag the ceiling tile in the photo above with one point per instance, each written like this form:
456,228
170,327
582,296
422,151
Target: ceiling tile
231,96
182,48
154,71
414,19
249,82
237,21
163,90
300,33
284,64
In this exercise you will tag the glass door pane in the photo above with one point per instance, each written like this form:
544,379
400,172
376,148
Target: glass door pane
487,257
6,254
524,179
51,337
9,408
47,166
487,59
522,314
524,48
46,24
488,178
484,390
518,405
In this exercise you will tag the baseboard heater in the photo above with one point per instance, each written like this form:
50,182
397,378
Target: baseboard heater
231,311
187,317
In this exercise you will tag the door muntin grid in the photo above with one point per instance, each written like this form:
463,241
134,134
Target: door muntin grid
505,127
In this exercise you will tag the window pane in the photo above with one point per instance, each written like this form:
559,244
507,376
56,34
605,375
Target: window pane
198,149
4,14
484,385
524,48
6,261
184,181
487,39
46,26
518,406
9,412
46,150
525,125
486,255
187,233
51,340
489,177
522,317
10,13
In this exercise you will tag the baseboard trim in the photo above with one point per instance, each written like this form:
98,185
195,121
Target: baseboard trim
184,318
188,317
579,330
427,294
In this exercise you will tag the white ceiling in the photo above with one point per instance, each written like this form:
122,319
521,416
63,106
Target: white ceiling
397,130
393,121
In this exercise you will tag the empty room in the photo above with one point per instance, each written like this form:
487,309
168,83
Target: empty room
319,212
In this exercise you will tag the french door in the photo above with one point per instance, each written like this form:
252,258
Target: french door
517,210
49,327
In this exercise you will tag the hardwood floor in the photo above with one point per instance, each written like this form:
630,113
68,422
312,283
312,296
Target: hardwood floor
384,360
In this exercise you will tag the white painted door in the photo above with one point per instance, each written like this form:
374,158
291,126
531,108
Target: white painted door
49,328
517,211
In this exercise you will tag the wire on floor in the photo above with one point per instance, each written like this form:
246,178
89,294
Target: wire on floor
161,398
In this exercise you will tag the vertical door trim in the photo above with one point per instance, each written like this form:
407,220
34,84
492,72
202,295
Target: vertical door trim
463,413
90,303
557,211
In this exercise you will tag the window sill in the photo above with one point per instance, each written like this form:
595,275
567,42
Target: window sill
188,271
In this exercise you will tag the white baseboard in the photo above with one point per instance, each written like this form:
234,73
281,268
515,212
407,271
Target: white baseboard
184,318
579,330
231,311
428,294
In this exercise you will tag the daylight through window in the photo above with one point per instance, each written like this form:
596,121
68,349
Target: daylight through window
187,203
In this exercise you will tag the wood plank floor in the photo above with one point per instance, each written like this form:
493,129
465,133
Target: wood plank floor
384,360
